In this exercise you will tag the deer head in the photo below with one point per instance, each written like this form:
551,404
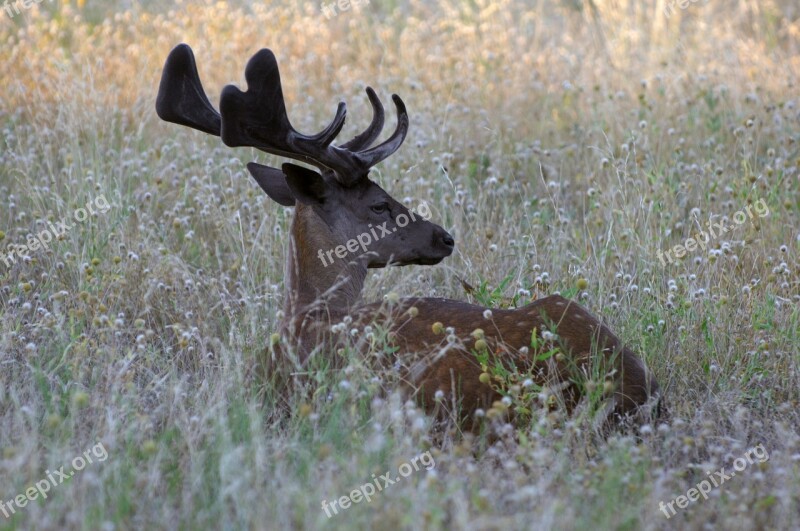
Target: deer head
351,206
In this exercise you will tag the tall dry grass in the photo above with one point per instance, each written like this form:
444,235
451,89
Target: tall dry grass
558,141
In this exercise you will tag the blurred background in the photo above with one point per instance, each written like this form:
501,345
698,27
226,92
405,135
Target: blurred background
563,143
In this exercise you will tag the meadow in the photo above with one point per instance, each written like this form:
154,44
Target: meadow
569,146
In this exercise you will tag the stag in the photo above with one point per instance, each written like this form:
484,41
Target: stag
438,341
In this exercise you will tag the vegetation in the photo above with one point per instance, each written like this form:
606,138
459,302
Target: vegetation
564,144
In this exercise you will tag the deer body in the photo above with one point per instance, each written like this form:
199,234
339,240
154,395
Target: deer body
339,203
507,333
307,331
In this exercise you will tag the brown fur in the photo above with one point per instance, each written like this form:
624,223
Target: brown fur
579,333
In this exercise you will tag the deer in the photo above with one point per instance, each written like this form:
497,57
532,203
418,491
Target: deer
438,341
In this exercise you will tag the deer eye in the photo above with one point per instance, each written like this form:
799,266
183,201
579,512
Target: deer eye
380,208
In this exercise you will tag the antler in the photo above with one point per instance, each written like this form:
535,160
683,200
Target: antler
181,98
257,118
370,134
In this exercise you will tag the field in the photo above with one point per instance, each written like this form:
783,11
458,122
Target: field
569,146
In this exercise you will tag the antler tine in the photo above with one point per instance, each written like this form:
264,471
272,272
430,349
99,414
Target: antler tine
181,98
373,156
371,133
257,118
327,135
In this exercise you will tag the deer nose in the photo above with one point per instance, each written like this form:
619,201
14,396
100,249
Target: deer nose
448,240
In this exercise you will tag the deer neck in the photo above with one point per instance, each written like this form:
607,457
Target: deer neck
322,291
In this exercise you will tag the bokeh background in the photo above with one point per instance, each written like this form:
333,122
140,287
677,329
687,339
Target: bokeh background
563,143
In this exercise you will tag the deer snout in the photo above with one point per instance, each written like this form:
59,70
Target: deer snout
443,237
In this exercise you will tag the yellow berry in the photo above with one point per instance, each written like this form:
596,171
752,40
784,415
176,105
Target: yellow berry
499,405
480,345
324,451
53,421
149,447
493,413
484,378
80,399
582,283
437,327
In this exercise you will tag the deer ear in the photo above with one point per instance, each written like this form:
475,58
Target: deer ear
273,182
307,186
